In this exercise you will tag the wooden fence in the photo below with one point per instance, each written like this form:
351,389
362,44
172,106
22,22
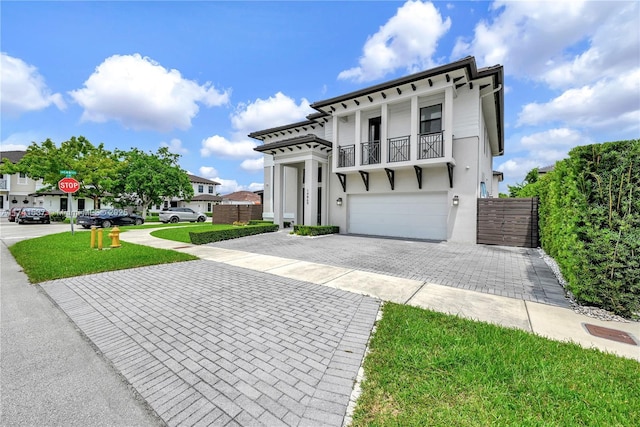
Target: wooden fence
508,222
228,214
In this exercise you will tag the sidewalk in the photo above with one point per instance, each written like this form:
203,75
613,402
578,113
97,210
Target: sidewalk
49,374
554,322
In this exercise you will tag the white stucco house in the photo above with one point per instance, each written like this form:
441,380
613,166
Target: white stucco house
406,158
205,196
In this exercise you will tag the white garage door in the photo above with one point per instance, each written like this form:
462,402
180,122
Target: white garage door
419,216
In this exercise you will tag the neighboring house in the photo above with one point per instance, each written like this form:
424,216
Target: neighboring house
498,177
18,190
205,196
545,170
405,158
242,198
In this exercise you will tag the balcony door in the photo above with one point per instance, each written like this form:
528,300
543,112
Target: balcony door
374,129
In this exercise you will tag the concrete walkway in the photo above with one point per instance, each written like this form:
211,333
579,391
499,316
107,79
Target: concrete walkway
557,322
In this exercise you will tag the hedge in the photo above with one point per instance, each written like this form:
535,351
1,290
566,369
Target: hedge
315,230
590,224
200,238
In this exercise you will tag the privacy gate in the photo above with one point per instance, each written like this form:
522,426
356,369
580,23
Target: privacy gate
508,222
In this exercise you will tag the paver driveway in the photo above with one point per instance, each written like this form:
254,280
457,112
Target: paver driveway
206,343
506,271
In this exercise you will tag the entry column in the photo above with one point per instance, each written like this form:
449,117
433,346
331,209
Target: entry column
278,183
311,192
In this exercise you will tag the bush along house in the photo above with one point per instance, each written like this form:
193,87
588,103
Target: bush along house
406,158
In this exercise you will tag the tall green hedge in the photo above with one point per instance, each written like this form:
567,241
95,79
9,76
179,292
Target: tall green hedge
590,223
203,237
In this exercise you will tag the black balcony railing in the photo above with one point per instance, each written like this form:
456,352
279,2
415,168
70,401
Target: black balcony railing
370,154
399,149
346,156
431,145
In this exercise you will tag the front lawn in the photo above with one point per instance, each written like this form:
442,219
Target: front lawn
432,369
181,234
64,255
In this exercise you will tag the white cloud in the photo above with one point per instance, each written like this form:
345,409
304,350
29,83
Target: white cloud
277,110
408,40
608,104
253,165
141,94
23,89
175,146
220,146
542,149
227,185
20,141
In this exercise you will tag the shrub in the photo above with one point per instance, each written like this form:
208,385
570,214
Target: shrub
239,223
590,223
259,222
315,230
58,217
200,238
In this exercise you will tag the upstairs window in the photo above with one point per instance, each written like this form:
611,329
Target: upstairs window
200,188
211,189
22,178
431,119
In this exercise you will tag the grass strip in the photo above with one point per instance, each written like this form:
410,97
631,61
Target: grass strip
181,234
65,255
427,368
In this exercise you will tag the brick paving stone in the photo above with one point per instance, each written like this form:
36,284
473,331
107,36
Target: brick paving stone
497,270
206,343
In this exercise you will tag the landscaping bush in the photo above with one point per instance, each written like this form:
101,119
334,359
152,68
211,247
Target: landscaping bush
58,217
590,224
260,222
315,230
200,238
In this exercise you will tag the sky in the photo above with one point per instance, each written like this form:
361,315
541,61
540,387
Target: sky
199,76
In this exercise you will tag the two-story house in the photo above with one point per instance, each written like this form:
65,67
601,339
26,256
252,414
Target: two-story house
17,190
205,196
405,158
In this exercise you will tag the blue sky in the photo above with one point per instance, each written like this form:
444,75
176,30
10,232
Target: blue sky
199,76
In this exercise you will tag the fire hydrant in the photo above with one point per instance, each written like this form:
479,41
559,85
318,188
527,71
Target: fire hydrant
115,237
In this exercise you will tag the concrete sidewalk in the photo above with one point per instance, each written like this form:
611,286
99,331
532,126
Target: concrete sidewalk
558,323
50,375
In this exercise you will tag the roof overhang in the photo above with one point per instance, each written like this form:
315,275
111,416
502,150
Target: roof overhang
300,143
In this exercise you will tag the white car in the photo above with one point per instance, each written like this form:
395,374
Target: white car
181,214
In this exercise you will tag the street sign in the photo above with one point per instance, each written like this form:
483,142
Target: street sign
68,173
68,185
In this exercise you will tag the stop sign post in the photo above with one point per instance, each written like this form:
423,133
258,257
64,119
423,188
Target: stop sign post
69,185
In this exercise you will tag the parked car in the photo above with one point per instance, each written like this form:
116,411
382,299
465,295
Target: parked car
181,214
13,213
31,215
106,218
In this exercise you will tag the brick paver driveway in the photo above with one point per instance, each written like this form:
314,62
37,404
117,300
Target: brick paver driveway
206,343
506,271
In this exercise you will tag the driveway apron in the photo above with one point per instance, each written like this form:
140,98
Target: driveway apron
510,272
208,343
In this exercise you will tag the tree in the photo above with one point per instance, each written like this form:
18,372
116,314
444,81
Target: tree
148,178
522,190
96,167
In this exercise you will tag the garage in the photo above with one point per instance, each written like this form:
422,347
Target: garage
414,215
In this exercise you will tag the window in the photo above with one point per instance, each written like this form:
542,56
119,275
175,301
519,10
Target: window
319,173
431,119
166,204
211,189
209,207
200,188
22,178
80,204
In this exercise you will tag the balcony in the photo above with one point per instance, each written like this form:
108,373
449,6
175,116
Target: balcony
430,145
346,156
370,154
399,149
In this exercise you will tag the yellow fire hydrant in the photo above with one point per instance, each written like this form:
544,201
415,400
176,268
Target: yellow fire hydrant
93,236
115,237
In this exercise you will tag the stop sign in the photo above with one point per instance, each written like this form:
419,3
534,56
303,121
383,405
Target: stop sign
68,185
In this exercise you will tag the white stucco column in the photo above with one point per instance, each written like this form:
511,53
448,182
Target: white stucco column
278,191
311,192
415,131
384,133
358,137
447,122
324,216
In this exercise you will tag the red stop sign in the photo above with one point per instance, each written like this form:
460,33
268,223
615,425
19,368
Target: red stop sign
68,185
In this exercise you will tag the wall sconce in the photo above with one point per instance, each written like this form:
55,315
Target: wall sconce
456,200
339,201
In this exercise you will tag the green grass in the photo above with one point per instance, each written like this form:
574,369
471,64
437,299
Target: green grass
431,369
181,234
64,255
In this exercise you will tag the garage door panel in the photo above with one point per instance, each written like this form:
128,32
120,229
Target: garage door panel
422,216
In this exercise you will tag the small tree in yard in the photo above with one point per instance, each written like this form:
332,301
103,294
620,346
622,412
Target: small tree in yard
146,179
